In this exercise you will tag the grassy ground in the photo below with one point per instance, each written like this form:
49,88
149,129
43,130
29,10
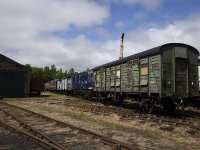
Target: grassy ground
145,134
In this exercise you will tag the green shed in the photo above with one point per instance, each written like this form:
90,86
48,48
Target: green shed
14,78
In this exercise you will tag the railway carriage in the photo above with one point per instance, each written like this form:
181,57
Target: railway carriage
163,75
36,86
82,83
63,84
51,85
69,84
59,85
66,85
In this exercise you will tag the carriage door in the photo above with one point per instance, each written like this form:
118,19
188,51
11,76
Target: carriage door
181,80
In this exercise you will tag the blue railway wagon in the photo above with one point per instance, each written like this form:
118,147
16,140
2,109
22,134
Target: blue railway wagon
82,81
69,84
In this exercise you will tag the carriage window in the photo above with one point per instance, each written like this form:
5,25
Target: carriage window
113,74
97,77
144,71
117,82
97,80
112,83
118,74
97,84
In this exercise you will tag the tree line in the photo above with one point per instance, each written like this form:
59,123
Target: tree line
49,73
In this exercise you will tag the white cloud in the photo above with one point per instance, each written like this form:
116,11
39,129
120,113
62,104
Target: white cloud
147,4
26,26
101,32
120,24
181,31
89,54
51,14
139,16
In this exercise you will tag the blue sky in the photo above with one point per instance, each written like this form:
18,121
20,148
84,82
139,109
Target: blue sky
86,33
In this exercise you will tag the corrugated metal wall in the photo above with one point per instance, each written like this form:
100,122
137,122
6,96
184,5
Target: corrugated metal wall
14,78
12,83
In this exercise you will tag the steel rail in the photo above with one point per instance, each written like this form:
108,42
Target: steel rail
106,140
153,118
29,136
32,130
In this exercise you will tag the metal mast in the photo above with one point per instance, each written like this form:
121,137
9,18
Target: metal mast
121,46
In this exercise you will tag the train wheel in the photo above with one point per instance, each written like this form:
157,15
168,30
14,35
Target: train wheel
151,105
168,105
147,105
119,99
38,93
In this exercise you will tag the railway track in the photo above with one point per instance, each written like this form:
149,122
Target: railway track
129,114
132,114
16,125
114,144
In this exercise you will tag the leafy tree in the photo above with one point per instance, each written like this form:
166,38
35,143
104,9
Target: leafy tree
53,71
65,74
59,74
71,72
49,73
28,66
36,72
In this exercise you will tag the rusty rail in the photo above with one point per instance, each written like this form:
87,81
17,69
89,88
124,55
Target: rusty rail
131,114
105,140
32,137
32,130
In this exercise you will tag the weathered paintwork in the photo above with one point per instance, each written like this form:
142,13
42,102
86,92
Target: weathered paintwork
69,83
51,85
170,70
59,85
82,81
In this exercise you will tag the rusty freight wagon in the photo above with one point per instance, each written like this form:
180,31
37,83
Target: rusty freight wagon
164,76
36,86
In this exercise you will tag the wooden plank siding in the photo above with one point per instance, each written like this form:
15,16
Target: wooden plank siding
135,76
159,70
